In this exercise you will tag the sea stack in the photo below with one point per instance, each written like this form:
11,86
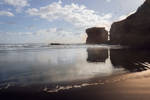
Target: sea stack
96,35
134,30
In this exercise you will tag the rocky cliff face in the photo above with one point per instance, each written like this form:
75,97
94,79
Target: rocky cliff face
96,35
134,30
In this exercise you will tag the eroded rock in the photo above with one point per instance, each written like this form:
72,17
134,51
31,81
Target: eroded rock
96,35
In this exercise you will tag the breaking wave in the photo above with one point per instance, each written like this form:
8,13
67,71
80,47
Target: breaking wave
48,46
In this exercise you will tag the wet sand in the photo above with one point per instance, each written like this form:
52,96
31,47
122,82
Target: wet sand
133,86
75,74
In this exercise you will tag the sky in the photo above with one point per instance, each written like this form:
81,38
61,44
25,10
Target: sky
63,21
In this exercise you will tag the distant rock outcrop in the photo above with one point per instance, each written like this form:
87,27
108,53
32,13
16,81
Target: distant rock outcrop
96,35
134,30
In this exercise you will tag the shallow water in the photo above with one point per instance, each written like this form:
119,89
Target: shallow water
54,68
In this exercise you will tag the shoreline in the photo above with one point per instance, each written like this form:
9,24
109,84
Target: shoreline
125,87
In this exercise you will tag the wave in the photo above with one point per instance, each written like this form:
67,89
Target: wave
43,46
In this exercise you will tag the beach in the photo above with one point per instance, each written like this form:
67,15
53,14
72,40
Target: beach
126,87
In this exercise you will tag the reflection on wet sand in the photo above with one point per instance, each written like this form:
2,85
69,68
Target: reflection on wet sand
133,60
97,54
57,70
54,66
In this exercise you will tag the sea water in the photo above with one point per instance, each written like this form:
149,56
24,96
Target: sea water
58,67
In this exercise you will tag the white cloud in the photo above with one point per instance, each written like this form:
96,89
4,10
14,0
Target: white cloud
59,35
108,0
77,15
6,13
125,16
19,4
122,17
44,36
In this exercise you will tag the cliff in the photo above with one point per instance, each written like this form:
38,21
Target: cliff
96,35
134,30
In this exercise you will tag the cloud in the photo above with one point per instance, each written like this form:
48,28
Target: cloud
125,16
6,13
108,0
77,15
122,17
43,36
19,4
59,35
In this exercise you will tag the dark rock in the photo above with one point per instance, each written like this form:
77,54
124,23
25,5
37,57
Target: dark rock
134,30
96,35
55,44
